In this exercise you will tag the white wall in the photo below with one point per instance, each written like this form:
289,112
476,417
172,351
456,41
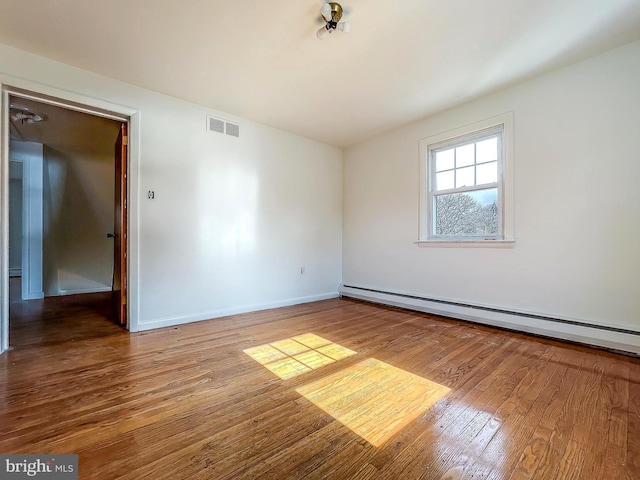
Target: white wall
233,219
78,214
577,216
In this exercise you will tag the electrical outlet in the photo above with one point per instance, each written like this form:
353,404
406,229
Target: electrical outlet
151,194
301,270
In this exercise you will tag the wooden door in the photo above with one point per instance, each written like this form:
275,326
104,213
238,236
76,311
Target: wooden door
120,228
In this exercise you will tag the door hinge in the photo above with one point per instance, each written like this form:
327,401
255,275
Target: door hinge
125,140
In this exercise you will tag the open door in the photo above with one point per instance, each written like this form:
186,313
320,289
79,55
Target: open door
120,228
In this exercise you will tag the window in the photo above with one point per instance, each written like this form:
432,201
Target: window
466,185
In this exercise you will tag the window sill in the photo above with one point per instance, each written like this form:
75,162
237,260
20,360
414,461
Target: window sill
508,243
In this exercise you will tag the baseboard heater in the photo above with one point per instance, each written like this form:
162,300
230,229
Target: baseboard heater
608,336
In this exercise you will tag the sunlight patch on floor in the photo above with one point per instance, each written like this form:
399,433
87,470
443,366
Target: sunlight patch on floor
294,356
374,399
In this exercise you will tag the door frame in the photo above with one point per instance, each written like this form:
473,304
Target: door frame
11,86
30,155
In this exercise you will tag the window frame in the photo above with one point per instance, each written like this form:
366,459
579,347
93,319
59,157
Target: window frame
502,124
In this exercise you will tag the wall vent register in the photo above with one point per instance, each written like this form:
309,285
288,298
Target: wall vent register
221,126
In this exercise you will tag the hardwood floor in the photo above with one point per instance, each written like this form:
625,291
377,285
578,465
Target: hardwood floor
418,397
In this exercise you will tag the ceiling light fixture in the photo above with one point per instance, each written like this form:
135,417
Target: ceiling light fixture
29,118
332,13
22,114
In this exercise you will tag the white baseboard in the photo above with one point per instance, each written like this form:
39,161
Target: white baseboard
82,290
169,322
15,272
563,329
34,296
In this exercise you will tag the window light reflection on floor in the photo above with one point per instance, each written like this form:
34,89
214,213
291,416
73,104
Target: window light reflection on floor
374,399
294,356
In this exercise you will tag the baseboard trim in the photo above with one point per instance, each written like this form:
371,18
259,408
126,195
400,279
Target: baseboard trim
607,336
78,291
173,321
34,296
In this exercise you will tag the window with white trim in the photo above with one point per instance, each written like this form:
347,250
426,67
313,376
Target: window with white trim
466,184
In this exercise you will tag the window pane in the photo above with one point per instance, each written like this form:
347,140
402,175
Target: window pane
444,160
464,155
444,180
464,177
487,150
487,173
470,213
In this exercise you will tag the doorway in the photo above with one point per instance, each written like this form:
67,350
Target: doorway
68,245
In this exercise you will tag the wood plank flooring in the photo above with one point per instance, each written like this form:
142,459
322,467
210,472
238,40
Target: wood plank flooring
188,402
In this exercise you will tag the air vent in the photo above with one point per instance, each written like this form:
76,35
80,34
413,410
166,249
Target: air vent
233,129
221,126
215,124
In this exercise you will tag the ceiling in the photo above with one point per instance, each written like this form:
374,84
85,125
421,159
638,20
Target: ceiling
403,60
